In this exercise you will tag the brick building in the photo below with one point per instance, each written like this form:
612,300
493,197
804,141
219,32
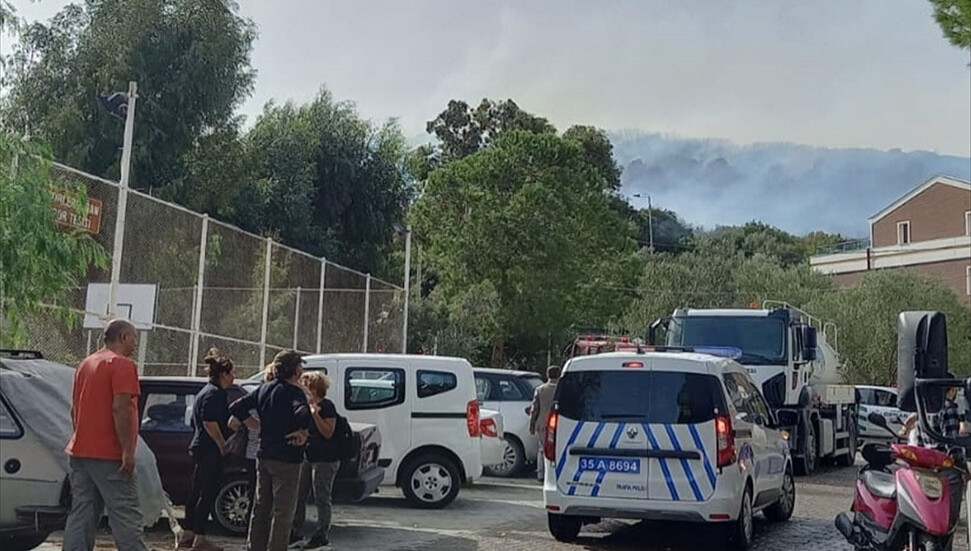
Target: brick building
927,230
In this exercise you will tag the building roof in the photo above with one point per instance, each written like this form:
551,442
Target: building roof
939,179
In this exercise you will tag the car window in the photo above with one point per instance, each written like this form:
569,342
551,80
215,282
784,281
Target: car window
509,391
9,427
640,396
741,394
532,382
168,412
431,383
483,386
884,399
373,387
756,402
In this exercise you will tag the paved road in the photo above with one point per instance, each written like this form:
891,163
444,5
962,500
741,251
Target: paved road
504,515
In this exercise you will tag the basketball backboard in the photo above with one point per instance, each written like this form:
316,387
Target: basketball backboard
136,303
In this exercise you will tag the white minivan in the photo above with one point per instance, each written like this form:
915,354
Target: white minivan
427,411
664,436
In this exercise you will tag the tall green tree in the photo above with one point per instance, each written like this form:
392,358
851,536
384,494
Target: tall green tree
39,261
325,180
522,233
191,60
954,17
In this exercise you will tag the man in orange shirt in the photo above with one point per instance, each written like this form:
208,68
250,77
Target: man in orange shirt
105,415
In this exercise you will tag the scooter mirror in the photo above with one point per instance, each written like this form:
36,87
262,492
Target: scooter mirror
921,354
877,419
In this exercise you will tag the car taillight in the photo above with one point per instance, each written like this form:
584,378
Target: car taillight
472,418
726,441
489,428
549,444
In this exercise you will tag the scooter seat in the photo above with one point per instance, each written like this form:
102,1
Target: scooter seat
880,484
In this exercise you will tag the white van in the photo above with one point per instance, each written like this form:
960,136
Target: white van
663,436
427,411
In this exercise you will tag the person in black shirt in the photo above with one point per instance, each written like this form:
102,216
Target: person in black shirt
323,460
210,414
284,416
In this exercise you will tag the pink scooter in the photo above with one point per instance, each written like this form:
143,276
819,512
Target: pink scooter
907,507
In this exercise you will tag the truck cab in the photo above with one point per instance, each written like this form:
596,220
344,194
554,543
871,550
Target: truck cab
788,353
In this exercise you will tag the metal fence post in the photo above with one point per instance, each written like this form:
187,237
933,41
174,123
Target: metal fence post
320,302
266,299
296,319
197,298
367,309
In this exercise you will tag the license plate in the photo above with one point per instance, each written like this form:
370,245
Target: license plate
610,465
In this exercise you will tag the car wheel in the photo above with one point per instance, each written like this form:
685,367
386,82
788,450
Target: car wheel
562,527
232,506
430,481
807,463
513,458
742,531
781,510
849,459
24,542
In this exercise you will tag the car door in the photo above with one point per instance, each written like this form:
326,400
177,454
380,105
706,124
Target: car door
376,391
512,405
770,467
884,403
750,439
30,474
166,426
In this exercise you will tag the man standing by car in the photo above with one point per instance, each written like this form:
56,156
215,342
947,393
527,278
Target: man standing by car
104,411
540,411
284,416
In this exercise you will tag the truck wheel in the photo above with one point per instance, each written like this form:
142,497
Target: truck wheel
781,510
807,463
564,528
849,459
24,542
430,481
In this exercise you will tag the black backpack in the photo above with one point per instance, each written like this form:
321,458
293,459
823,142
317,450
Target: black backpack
343,438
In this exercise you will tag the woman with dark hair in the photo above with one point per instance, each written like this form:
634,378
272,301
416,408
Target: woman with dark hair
210,415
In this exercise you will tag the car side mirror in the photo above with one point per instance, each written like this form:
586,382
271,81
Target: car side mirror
660,323
921,354
808,343
877,419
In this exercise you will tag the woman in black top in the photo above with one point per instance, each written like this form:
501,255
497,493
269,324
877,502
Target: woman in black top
209,417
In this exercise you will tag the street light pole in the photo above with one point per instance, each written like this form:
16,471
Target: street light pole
119,240
404,324
650,220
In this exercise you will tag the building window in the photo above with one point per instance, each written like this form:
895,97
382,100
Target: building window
967,222
903,232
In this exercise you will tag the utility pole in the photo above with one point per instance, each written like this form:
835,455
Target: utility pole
404,324
650,220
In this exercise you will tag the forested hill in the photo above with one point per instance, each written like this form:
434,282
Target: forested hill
795,187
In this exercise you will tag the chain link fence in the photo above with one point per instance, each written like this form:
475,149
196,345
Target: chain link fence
215,286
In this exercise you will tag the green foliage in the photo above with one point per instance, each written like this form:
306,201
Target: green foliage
39,262
954,17
520,235
754,239
867,318
599,152
325,180
191,62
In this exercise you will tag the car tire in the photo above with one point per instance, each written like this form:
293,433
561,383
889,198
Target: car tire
781,510
231,510
849,459
563,527
806,464
742,531
514,457
24,542
430,481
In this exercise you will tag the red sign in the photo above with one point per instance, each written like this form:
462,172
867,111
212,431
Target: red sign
65,213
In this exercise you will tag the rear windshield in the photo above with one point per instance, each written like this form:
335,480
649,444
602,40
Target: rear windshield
639,396
532,381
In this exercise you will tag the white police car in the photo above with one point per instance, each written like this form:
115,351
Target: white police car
663,435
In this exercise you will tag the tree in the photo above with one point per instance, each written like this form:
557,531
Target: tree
524,232
867,319
325,180
191,62
39,261
599,152
954,18
462,130
752,239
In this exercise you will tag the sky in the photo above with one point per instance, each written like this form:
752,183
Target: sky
833,73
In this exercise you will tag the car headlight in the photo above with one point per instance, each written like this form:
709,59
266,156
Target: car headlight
930,484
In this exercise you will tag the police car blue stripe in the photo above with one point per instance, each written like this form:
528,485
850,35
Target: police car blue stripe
613,444
591,443
562,462
704,454
684,463
664,464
